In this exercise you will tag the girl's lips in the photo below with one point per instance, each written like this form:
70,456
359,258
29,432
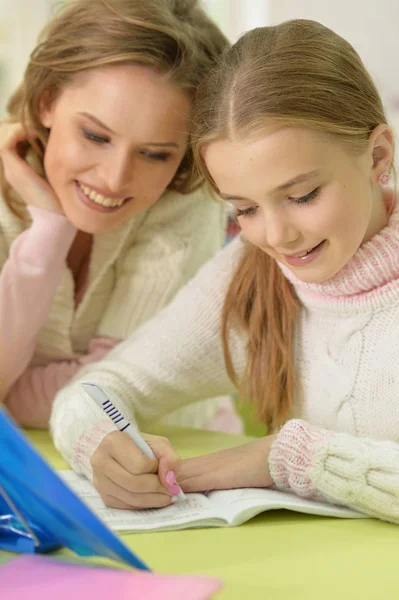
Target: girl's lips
93,205
296,261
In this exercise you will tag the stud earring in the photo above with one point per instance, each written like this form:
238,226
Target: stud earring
384,178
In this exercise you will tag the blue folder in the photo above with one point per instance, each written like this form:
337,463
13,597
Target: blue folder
38,511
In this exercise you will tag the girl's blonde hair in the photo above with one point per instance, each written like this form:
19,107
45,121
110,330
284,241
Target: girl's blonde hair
298,73
170,36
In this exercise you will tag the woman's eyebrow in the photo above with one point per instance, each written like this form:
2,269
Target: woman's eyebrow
104,126
96,121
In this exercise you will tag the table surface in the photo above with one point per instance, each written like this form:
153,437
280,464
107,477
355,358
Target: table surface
278,555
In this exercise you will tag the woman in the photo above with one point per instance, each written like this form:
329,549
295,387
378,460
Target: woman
101,219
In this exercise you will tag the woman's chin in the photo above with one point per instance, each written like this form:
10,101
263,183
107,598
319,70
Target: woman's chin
94,222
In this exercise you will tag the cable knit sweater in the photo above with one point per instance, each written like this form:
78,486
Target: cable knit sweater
134,271
342,442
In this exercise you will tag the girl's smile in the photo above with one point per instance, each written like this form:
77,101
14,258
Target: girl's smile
304,258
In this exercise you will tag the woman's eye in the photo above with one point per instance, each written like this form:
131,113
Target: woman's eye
162,156
245,212
93,137
305,199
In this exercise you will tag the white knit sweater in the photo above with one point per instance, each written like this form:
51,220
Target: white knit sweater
347,360
134,272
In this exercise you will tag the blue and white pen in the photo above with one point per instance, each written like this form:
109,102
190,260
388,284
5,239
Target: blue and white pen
100,397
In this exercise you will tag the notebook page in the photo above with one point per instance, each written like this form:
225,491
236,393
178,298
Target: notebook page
238,506
195,511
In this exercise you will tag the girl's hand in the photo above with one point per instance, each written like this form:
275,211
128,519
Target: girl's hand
240,467
125,478
30,187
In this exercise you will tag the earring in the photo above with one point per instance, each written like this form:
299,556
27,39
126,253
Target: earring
384,178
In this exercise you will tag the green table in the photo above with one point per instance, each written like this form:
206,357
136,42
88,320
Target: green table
278,555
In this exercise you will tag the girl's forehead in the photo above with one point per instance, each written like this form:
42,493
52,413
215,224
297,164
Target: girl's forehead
287,145
240,168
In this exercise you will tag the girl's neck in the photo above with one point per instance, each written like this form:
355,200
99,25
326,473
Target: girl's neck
381,208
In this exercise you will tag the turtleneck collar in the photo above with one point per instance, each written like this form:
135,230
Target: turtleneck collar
375,264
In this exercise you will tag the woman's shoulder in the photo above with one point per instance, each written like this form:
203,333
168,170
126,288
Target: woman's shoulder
180,210
179,220
221,268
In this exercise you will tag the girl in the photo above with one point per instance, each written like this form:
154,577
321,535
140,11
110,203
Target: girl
101,219
301,313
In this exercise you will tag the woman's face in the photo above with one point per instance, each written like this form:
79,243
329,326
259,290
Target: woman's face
117,137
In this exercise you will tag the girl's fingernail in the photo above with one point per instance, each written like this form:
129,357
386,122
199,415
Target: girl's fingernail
170,478
174,490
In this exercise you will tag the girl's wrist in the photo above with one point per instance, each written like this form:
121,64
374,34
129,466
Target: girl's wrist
268,444
290,457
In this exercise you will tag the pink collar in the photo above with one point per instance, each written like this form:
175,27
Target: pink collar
375,264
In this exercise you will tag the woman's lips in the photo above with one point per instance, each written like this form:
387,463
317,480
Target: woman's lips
94,205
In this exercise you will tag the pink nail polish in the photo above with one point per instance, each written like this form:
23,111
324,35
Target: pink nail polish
170,478
174,490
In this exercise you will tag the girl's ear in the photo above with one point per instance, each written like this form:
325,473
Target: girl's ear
381,145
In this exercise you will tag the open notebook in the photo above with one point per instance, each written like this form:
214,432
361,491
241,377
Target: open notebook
225,508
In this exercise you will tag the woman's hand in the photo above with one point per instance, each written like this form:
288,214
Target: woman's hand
240,467
30,187
125,478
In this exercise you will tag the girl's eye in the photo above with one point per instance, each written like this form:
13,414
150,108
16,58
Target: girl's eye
161,156
305,199
96,139
245,212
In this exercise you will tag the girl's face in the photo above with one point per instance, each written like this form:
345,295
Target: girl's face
117,137
301,197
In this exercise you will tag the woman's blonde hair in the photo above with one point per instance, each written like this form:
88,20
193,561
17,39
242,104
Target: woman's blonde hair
298,73
170,36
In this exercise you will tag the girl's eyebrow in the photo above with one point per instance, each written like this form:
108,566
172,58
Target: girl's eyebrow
280,188
298,179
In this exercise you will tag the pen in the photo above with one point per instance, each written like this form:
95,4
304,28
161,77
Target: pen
100,397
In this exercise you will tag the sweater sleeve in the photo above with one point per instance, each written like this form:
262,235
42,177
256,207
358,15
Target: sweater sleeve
28,281
30,398
174,359
360,473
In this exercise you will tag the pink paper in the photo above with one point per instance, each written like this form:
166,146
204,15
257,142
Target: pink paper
41,578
